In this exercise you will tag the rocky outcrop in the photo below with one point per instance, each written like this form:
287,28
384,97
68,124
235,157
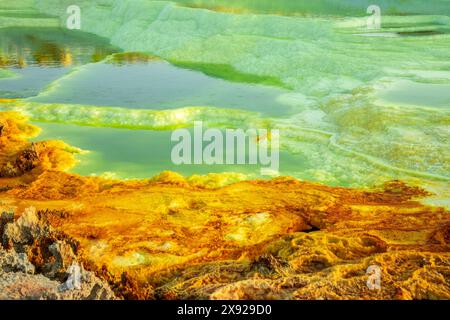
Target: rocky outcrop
11,261
19,157
37,262
33,157
19,285
29,227
22,286
26,161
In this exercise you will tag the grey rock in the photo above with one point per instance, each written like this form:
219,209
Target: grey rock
22,286
25,230
92,288
5,218
11,261
18,280
64,257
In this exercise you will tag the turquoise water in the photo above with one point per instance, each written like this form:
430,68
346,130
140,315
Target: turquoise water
122,153
406,93
355,107
159,85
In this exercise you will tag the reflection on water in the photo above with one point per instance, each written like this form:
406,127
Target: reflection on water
49,47
126,58
39,56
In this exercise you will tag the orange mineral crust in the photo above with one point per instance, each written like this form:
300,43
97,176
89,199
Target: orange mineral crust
175,238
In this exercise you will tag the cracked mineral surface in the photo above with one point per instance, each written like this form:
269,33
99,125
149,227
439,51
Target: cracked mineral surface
172,237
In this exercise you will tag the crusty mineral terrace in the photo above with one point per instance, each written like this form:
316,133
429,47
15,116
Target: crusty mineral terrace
182,238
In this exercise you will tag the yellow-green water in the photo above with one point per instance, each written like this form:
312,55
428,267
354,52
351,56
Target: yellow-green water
355,107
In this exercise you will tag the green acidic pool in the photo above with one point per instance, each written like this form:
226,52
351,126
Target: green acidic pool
355,107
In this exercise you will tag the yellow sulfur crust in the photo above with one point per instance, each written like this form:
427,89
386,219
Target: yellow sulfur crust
277,239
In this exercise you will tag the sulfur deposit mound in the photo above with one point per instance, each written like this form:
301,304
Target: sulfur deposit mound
171,238
20,158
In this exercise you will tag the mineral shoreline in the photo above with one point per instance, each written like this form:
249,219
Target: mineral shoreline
175,238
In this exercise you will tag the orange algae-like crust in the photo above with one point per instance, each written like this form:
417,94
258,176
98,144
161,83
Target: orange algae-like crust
173,238
20,158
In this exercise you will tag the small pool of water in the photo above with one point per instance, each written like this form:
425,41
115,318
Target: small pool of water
405,92
156,84
126,154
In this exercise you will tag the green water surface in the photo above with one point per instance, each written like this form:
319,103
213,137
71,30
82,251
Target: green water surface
355,107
